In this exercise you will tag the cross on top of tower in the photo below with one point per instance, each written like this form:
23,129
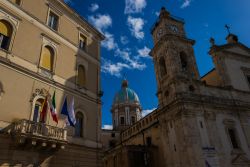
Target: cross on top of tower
228,29
231,38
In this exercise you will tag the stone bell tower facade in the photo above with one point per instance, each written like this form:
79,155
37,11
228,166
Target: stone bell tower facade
178,79
201,125
173,56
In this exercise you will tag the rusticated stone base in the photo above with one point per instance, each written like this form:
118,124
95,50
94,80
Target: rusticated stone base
72,155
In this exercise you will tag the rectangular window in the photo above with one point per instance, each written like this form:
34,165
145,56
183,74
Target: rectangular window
18,2
82,42
248,79
201,124
149,141
122,121
233,138
132,120
115,161
53,21
113,135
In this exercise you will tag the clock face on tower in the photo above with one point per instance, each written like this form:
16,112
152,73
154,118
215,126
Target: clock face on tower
159,33
173,28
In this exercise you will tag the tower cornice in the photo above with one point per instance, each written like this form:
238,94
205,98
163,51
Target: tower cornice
168,37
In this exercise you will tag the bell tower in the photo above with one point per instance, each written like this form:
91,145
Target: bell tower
173,57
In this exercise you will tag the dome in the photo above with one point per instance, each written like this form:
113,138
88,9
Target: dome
126,95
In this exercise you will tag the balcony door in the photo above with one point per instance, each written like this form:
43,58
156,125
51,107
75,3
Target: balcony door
37,110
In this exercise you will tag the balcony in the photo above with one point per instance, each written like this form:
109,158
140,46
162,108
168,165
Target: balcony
36,134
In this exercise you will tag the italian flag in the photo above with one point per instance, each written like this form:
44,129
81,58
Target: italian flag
52,103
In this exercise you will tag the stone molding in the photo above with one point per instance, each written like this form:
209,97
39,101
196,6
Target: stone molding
53,34
52,83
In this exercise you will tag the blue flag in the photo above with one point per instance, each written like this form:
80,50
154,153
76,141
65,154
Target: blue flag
65,112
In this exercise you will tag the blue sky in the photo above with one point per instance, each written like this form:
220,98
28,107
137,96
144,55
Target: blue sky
127,23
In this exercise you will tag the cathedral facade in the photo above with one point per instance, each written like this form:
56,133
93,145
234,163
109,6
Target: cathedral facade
200,121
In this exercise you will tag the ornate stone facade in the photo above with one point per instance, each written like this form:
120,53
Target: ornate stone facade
200,122
40,55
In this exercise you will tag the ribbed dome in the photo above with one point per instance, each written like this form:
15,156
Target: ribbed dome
126,95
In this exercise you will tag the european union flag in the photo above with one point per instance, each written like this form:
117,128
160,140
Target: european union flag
65,111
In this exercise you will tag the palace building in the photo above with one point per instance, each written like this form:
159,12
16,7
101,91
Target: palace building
200,121
47,49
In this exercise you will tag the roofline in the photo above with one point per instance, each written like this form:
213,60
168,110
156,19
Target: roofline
213,69
81,19
218,48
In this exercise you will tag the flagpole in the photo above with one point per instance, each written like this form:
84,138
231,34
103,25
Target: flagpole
64,119
57,115
48,108
48,94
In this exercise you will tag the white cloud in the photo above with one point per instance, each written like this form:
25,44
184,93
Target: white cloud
68,1
185,4
144,52
146,112
116,68
94,7
157,13
133,63
107,127
124,54
137,65
109,42
136,27
101,22
134,6
124,40
113,69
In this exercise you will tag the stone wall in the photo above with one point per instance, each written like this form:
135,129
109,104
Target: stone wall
72,155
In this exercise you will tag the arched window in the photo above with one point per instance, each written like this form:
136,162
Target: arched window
6,31
163,68
81,78
233,138
79,125
47,58
184,63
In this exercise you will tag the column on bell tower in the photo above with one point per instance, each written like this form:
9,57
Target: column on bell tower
173,55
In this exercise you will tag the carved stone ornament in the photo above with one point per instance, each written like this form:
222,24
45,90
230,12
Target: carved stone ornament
39,92
46,73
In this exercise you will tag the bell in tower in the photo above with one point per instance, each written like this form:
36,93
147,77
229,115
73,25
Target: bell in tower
173,55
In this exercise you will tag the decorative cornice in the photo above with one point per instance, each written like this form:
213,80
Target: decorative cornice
47,81
218,48
168,37
47,31
83,21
